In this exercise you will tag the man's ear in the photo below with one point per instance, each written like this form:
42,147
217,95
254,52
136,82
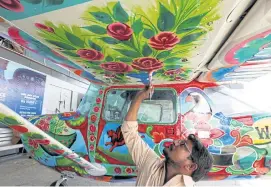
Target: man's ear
191,167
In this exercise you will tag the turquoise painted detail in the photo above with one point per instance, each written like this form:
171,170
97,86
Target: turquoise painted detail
36,7
252,48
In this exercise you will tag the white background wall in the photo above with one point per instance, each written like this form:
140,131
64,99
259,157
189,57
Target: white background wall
57,91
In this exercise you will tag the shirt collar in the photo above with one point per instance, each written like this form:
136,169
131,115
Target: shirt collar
187,180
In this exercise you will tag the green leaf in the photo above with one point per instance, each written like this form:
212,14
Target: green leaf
109,59
128,53
10,121
163,54
190,38
61,45
74,39
102,17
73,54
37,136
96,29
137,26
125,59
146,50
94,46
148,33
172,60
110,40
190,24
166,20
119,13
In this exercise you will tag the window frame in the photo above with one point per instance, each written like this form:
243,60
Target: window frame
175,107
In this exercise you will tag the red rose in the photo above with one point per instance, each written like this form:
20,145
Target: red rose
14,33
92,128
117,67
44,27
119,31
90,54
98,100
147,64
12,5
164,41
129,170
92,138
91,147
172,72
101,92
93,118
117,170
96,109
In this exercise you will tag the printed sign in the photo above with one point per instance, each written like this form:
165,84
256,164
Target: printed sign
21,88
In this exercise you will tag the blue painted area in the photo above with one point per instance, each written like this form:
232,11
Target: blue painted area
143,77
221,72
214,149
41,7
227,139
121,149
79,145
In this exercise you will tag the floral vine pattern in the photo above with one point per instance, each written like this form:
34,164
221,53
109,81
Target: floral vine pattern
120,46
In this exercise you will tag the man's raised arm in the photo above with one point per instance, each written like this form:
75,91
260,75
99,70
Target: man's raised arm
138,149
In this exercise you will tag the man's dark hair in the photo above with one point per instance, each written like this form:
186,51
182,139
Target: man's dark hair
201,156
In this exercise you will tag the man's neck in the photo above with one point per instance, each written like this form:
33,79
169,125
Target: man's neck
170,172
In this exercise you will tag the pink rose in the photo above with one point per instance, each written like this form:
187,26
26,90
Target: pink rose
92,128
117,67
164,41
147,64
117,170
90,54
93,118
119,31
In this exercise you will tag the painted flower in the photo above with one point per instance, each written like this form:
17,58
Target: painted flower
117,170
119,31
129,170
90,54
44,27
12,5
101,92
91,147
92,128
92,138
93,118
158,137
43,125
164,41
98,100
172,72
117,67
96,109
147,64
14,33
33,143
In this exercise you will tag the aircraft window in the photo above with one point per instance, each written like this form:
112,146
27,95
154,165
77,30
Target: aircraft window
160,109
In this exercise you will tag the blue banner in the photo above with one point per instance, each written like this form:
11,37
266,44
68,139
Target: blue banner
21,88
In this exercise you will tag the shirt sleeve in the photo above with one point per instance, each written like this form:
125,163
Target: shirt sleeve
139,150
